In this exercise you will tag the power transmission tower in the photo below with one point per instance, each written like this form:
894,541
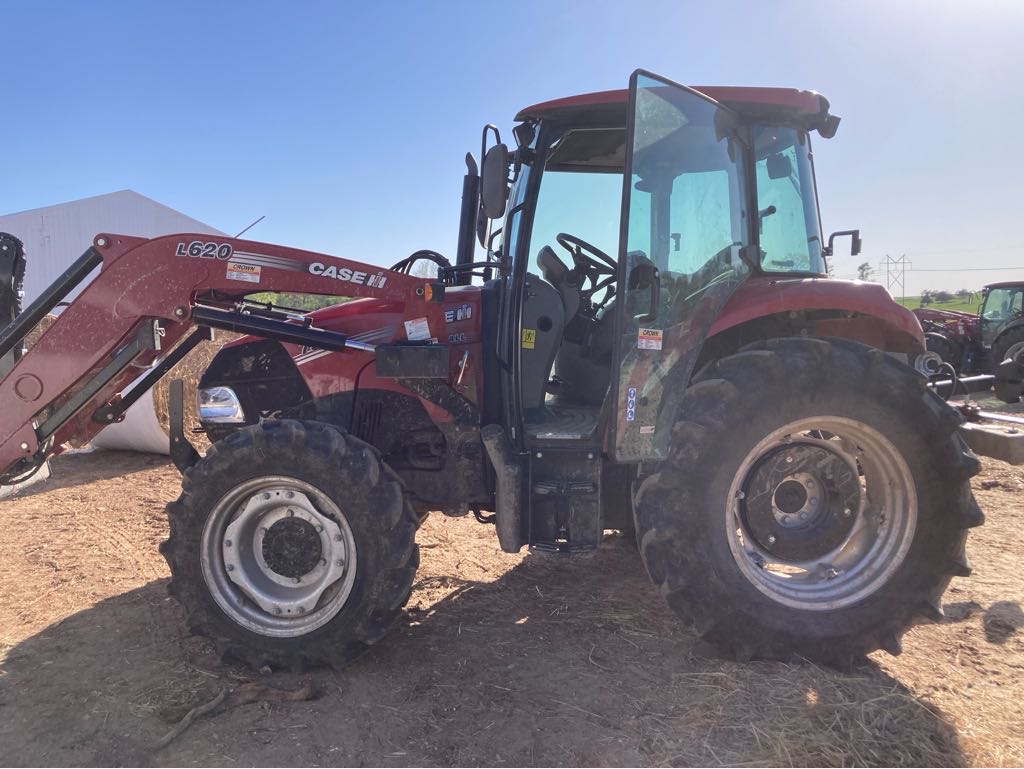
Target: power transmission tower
896,273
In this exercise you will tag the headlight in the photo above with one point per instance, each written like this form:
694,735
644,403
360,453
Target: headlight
219,404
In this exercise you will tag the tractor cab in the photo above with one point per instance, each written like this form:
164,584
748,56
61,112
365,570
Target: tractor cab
632,218
1000,308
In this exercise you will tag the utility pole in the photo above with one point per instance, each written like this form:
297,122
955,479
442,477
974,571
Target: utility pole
896,273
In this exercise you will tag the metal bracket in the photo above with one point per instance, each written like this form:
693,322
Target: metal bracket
183,453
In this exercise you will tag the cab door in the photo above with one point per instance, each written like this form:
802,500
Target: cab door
683,250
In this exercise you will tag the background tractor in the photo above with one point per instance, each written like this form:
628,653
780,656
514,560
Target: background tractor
651,345
978,343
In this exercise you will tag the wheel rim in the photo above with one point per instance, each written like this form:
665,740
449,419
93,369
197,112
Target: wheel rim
821,513
278,556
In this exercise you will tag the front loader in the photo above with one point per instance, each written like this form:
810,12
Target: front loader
651,345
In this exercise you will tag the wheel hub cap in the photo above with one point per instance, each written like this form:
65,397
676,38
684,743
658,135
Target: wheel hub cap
282,553
797,501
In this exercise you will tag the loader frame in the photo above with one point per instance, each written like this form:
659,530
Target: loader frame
136,315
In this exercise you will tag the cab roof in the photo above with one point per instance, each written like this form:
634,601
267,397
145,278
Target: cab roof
807,107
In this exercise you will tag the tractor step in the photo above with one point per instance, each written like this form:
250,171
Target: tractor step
565,514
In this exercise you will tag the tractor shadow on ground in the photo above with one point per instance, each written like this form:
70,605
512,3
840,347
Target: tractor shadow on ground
555,662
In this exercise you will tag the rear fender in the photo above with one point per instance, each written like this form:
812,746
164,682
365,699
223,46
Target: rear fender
770,307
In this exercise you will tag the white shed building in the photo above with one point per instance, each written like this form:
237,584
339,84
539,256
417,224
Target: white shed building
57,235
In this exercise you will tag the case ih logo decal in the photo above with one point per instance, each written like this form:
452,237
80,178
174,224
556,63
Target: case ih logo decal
462,312
204,250
347,275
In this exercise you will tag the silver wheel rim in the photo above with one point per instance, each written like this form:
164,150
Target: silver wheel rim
864,534
278,556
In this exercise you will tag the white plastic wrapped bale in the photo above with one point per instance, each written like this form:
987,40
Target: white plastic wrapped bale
140,430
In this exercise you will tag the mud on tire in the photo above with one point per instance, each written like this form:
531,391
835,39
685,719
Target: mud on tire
688,510
340,473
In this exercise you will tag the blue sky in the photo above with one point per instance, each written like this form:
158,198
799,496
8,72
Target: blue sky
346,124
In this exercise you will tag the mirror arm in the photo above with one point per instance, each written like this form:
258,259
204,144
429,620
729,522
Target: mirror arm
854,246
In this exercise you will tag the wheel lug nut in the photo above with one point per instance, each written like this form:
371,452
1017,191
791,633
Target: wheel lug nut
297,580
846,512
230,567
803,516
289,494
337,538
227,543
277,610
771,540
319,528
301,610
339,562
789,460
291,512
266,495
785,519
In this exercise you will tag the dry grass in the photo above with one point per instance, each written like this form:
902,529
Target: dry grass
501,659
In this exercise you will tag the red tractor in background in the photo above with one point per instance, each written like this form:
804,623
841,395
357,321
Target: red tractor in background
978,343
650,345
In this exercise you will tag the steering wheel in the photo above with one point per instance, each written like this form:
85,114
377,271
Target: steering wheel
593,265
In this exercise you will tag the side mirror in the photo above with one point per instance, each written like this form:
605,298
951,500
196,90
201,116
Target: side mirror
779,166
494,182
855,243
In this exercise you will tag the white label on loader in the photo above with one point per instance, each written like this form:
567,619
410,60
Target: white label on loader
249,273
417,330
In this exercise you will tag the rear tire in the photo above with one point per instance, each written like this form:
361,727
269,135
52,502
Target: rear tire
291,544
1009,345
721,526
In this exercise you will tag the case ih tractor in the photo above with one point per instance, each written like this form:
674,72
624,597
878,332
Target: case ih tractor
651,346
975,343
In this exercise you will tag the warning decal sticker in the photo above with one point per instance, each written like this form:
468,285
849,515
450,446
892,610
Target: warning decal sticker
417,330
648,339
529,338
250,273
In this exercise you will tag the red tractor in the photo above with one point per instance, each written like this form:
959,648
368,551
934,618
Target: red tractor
978,343
651,345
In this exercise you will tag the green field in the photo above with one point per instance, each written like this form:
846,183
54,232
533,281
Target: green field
913,302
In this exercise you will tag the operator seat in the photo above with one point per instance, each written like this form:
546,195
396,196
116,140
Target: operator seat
562,278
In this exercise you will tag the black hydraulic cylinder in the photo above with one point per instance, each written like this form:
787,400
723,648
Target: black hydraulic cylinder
46,301
268,328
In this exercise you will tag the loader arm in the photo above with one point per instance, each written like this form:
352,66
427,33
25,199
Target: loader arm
148,295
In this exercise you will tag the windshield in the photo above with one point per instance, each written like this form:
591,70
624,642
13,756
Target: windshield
787,209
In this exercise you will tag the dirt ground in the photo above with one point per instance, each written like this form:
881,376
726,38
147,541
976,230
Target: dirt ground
500,660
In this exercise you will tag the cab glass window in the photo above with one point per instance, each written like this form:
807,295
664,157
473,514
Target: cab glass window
787,212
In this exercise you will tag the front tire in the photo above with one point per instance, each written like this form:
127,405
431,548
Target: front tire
291,544
814,503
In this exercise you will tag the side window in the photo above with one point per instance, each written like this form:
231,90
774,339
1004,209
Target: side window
787,216
700,209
